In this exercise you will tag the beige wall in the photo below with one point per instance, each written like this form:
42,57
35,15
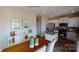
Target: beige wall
43,25
6,15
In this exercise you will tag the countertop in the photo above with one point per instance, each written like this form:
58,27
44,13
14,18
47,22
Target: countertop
51,33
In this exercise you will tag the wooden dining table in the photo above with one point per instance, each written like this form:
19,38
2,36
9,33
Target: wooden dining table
24,47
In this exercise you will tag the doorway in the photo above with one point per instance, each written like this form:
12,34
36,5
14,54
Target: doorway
38,26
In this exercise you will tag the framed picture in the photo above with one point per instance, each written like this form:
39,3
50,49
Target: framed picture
15,25
25,25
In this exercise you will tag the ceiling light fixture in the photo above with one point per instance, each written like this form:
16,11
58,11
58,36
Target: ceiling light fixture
44,12
72,11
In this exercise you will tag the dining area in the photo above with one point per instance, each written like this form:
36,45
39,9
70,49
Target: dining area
43,46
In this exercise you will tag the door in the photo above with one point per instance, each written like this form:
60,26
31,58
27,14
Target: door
38,25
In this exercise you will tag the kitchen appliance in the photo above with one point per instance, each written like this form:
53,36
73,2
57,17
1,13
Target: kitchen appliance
63,29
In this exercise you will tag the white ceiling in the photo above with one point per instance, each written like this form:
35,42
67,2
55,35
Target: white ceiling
50,10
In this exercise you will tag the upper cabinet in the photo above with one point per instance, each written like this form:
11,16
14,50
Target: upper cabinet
54,21
61,20
73,22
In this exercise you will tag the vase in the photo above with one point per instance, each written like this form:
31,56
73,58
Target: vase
31,40
36,42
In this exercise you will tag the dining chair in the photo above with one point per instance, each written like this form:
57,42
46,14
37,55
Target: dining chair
50,46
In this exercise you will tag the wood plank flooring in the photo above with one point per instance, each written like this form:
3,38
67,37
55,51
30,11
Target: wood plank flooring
65,45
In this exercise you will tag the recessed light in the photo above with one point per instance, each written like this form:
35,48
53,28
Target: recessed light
72,11
44,12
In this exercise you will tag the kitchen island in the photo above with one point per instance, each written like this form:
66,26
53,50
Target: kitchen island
51,36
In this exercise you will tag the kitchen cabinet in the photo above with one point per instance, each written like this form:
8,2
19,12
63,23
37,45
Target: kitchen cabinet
71,36
73,22
53,37
50,36
54,21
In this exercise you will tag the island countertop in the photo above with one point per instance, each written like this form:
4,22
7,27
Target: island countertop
24,47
51,33
51,36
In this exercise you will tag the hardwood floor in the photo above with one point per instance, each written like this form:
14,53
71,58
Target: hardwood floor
65,45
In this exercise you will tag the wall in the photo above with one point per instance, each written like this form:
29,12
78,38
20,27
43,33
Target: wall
44,21
7,14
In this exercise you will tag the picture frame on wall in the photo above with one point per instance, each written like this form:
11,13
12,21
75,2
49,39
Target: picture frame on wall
16,25
25,25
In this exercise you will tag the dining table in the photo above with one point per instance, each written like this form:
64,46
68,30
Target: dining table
24,46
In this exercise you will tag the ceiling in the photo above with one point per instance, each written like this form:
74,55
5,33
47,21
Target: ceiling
48,10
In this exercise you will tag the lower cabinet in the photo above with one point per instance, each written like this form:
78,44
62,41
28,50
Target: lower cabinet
71,36
51,37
